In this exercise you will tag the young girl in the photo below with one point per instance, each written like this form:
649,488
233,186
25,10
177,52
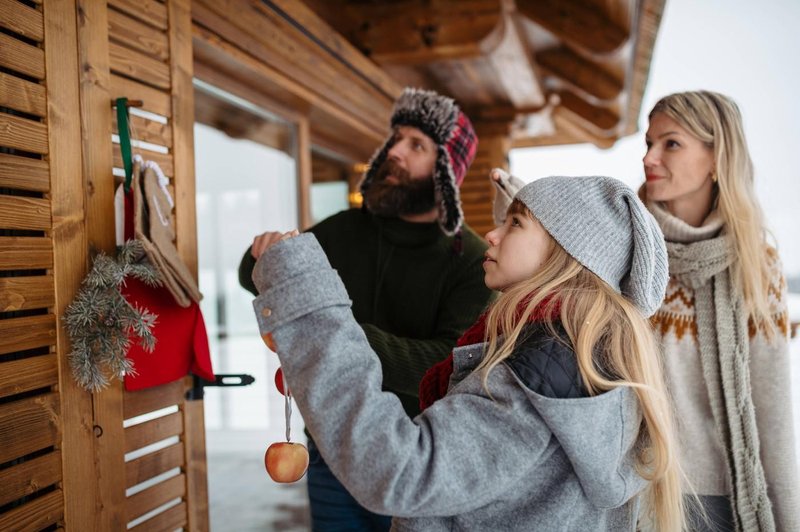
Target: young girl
556,416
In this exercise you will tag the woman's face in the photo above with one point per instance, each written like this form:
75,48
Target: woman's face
517,250
678,166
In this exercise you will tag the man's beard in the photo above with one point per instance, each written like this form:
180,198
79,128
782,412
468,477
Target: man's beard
407,197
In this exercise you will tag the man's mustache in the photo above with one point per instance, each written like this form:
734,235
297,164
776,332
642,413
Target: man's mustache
390,167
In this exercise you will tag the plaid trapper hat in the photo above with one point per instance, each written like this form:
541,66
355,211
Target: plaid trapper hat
440,119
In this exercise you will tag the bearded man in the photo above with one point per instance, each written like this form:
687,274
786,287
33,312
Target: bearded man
411,266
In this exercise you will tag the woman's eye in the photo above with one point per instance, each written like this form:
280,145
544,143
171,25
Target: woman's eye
672,144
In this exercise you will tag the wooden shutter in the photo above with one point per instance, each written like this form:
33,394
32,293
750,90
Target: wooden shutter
69,458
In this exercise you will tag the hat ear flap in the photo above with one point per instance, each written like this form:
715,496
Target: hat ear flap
450,214
377,160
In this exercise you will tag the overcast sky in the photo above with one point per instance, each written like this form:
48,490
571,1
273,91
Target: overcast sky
748,50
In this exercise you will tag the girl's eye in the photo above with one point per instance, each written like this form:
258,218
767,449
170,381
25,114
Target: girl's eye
515,222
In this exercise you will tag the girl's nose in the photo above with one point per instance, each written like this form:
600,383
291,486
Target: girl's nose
493,236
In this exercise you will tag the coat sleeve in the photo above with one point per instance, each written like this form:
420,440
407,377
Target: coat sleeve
770,379
391,464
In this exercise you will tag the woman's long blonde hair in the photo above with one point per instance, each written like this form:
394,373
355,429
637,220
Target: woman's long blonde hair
715,120
615,347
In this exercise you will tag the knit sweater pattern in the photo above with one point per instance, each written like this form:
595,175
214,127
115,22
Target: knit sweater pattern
702,446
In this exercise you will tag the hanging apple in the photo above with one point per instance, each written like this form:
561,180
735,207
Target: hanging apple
286,461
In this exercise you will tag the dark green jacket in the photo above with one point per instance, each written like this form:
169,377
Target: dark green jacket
412,294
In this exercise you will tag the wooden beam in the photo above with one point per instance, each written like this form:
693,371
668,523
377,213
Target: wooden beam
331,39
585,75
512,66
569,124
577,22
602,120
423,31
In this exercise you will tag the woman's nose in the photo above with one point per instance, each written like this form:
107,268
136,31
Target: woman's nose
650,157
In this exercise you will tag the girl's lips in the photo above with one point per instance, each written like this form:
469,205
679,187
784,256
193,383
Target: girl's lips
652,177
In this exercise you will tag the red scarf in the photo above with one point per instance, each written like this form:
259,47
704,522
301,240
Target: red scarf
434,383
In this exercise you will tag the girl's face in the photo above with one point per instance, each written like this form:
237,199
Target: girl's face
678,166
517,250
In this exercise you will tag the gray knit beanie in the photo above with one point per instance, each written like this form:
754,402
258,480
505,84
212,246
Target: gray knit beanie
602,223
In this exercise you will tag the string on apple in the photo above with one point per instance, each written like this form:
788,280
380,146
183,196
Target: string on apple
285,461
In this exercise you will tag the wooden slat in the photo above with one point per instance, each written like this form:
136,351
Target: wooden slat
164,160
22,95
29,477
23,293
21,19
152,431
23,134
19,334
18,212
169,520
27,374
21,57
35,515
153,497
150,465
148,130
25,253
154,100
138,66
151,399
149,11
28,425
134,34
24,173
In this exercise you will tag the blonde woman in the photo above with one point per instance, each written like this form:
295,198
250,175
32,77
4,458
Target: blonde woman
723,324
556,416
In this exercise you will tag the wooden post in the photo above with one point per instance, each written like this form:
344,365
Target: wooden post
181,67
69,254
303,158
109,448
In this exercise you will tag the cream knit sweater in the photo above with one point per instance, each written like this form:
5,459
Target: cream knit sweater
702,451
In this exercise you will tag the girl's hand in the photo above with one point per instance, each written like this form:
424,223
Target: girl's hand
265,240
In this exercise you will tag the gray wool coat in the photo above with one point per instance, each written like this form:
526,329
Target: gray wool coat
514,461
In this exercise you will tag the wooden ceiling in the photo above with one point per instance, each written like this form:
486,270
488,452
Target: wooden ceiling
557,71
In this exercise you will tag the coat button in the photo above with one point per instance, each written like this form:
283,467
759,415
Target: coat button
266,312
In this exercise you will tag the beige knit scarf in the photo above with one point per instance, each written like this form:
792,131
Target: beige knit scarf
725,358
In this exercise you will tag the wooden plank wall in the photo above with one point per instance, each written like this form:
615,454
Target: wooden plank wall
70,459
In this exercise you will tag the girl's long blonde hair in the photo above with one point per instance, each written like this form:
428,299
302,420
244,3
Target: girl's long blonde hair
715,119
615,347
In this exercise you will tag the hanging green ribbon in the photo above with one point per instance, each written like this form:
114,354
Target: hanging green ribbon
125,140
